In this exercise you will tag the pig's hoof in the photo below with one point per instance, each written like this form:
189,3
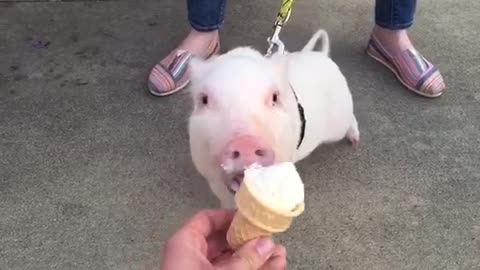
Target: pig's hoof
353,135
355,143
354,140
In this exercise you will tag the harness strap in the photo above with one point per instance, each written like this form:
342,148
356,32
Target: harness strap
303,120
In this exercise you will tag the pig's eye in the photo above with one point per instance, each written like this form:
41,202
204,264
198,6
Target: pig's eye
204,100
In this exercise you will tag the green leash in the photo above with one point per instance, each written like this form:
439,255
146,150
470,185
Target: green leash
282,17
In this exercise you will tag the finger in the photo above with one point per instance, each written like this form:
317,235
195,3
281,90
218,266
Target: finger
195,232
217,244
278,260
209,221
279,251
275,264
192,237
186,238
252,255
191,254
222,258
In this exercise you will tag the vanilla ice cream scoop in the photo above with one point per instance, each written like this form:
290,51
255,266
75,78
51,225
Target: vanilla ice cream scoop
278,186
268,200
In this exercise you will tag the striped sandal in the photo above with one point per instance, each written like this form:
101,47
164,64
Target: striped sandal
171,74
414,71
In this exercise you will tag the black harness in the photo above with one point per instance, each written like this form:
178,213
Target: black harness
303,121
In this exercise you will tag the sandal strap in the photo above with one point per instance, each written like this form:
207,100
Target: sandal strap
413,65
179,64
414,69
170,75
167,77
418,71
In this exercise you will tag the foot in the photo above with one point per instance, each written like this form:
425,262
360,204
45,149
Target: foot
199,43
394,41
170,75
394,49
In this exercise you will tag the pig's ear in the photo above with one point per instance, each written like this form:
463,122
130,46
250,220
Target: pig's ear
198,67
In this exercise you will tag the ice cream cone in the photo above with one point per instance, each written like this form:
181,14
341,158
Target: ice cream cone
254,218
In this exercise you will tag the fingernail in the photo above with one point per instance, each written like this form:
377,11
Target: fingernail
264,246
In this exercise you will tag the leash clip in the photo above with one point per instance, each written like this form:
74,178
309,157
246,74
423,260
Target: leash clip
275,43
283,15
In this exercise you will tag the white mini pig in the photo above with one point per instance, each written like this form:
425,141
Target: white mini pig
250,109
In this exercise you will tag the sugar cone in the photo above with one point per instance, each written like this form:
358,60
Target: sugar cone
255,218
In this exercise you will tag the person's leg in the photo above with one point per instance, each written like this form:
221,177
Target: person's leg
205,17
391,45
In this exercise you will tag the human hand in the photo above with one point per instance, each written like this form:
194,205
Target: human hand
201,245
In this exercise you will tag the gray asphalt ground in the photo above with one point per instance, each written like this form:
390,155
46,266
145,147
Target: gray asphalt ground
95,173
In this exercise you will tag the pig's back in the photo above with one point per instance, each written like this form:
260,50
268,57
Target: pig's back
324,94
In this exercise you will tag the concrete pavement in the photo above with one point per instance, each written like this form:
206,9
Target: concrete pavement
95,173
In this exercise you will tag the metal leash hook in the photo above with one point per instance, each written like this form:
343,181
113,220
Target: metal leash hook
275,42
282,17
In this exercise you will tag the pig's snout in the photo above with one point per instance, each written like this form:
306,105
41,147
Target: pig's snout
247,150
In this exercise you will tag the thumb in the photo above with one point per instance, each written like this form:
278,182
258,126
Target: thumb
251,256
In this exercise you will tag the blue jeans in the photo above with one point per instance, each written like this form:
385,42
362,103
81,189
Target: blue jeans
395,14
208,15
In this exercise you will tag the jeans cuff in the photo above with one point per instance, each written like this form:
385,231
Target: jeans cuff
398,26
209,28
